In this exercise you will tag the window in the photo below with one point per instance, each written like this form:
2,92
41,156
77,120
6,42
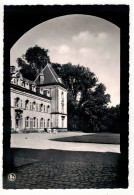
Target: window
44,123
34,120
27,122
41,107
33,88
36,107
41,123
48,121
30,105
62,107
31,122
44,108
62,120
48,108
26,104
21,103
37,122
33,105
62,102
17,102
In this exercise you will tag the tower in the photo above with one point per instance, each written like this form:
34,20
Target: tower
54,85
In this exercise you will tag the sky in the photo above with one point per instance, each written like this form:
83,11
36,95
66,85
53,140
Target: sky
80,39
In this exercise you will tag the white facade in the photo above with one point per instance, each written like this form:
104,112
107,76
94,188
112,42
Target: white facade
35,106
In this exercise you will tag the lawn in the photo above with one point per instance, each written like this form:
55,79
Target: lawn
100,138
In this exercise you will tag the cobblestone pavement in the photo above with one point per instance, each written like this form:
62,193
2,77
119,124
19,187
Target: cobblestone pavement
66,170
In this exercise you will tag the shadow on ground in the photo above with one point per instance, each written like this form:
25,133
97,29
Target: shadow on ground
57,169
100,138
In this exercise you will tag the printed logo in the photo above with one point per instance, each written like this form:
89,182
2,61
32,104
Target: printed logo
11,177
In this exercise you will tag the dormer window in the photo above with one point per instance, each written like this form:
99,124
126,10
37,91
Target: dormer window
15,81
22,83
33,87
41,90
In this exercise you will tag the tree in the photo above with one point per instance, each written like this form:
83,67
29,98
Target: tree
87,101
113,118
77,79
33,61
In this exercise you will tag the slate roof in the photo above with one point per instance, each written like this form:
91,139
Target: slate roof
50,77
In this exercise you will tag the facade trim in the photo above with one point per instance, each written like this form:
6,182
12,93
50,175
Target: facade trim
30,92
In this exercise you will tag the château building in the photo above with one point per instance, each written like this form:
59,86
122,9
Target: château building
39,104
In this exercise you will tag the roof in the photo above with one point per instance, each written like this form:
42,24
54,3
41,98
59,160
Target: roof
48,76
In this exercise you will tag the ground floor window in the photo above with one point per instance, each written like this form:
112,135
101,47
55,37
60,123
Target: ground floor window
34,120
41,123
27,122
37,123
63,119
44,122
48,122
31,122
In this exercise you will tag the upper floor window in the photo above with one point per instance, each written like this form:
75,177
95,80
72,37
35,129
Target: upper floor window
36,107
62,107
41,107
30,105
21,103
41,123
33,105
62,97
17,102
26,104
44,109
48,108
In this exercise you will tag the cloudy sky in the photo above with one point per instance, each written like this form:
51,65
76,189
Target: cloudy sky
80,39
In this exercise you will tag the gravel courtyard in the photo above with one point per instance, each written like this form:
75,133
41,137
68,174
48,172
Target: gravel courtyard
45,164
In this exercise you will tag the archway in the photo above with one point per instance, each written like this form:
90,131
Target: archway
14,19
